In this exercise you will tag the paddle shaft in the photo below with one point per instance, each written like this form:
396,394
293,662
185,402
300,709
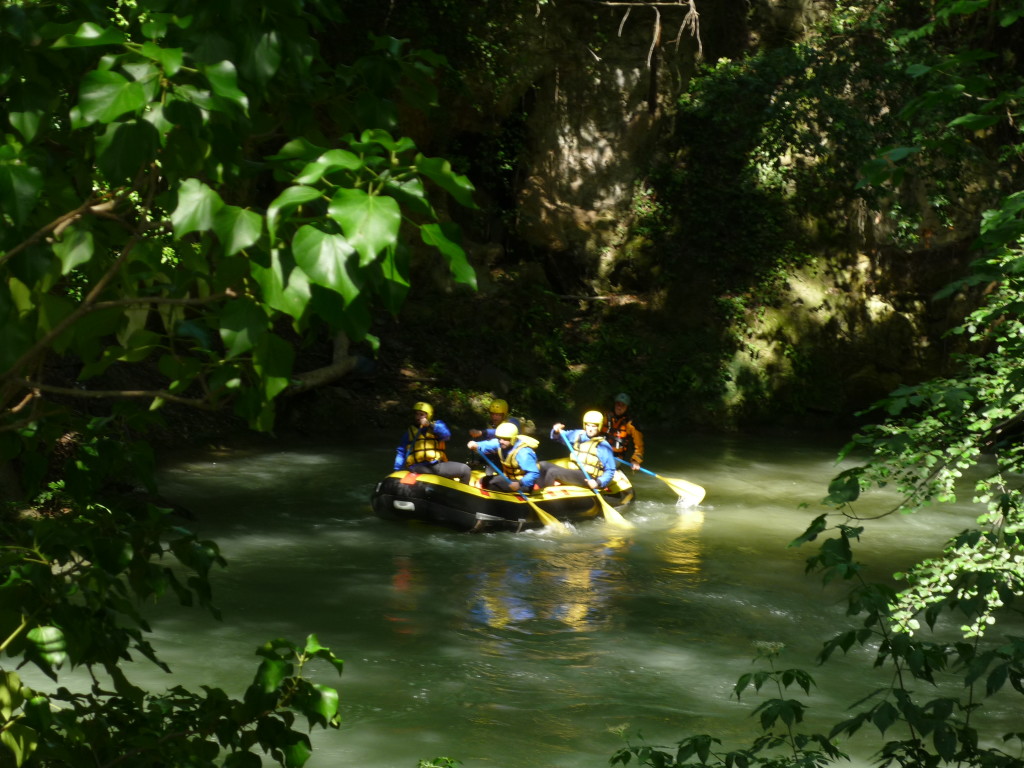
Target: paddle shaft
693,492
545,518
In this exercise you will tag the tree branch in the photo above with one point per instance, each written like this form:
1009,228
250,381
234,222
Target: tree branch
59,224
342,363
202,404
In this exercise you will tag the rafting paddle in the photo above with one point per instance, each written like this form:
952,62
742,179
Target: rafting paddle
547,519
692,493
611,515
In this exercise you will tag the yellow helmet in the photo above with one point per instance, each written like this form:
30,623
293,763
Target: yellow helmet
506,430
498,406
427,408
593,417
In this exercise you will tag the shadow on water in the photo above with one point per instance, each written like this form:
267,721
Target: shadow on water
517,650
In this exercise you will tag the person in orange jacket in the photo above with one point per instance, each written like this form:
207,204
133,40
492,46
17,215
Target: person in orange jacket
625,438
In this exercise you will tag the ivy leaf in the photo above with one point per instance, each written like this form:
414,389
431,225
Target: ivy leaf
20,186
237,228
75,247
90,34
439,171
197,208
329,162
271,673
974,122
286,293
47,648
170,59
26,122
287,200
104,96
242,324
437,235
370,222
223,78
298,752
325,259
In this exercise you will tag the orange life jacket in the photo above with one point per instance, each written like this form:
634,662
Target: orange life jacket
618,432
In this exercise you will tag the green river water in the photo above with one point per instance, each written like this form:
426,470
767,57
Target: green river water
525,650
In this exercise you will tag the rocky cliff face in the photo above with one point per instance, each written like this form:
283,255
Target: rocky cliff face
594,87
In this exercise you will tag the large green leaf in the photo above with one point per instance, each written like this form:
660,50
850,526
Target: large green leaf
329,162
242,324
20,185
237,228
286,201
441,236
75,247
286,292
370,222
264,59
21,740
197,208
439,170
170,59
48,647
104,96
224,79
325,258
90,34
26,122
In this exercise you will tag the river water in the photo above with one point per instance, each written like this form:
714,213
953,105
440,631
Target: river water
525,650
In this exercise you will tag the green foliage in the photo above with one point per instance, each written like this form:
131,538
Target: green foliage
72,587
172,203
936,631
186,190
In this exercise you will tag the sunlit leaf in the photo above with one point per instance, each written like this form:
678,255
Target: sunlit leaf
289,199
90,34
237,228
75,247
197,208
105,95
47,646
327,163
326,259
370,222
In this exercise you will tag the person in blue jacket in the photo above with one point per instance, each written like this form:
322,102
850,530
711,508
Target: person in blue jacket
422,449
514,454
589,449
498,413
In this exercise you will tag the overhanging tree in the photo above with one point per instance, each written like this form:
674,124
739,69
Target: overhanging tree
181,185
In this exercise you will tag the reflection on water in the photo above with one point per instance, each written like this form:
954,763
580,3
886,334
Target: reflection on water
517,650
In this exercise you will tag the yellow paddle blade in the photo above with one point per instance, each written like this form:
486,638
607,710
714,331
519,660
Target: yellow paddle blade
611,515
550,521
689,492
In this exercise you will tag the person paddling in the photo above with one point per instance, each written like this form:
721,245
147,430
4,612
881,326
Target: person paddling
516,457
589,449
